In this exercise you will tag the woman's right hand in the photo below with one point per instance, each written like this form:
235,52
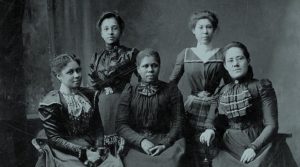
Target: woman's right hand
92,156
207,136
146,145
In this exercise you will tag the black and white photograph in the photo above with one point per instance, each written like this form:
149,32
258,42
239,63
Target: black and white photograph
149,83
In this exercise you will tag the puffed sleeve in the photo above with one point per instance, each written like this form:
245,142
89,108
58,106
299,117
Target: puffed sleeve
133,55
54,132
178,69
93,76
177,109
270,113
122,122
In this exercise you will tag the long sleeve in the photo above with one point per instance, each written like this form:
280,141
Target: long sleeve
177,110
178,69
54,132
94,78
122,122
96,126
270,113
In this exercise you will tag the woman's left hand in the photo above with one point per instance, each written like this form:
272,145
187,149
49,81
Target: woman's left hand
248,155
157,150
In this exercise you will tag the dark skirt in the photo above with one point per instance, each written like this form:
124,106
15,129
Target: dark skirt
50,157
274,154
108,108
171,157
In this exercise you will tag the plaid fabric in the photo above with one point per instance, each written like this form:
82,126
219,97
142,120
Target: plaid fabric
235,101
197,109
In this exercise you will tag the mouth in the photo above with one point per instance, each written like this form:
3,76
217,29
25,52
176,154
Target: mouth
77,81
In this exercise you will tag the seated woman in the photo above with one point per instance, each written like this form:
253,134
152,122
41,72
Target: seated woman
73,127
150,117
250,107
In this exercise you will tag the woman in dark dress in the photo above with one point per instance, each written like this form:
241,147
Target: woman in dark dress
250,107
150,117
203,67
111,70
71,122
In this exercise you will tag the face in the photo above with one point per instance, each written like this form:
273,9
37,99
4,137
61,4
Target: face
203,31
148,69
70,75
236,63
110,30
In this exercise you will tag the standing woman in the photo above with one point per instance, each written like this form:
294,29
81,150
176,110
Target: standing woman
250,106
70,119
111,70
150,117
203,66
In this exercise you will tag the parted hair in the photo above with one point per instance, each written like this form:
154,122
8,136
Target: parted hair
204,14
60,61
111,14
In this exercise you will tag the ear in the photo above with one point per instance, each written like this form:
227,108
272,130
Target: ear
224,64
193,30
138,69
58,76
249,61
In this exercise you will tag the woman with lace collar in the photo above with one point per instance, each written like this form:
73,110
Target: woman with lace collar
250,108
150,117
72,124
110,70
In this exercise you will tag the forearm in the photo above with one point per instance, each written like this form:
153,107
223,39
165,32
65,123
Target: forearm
265,137
130,135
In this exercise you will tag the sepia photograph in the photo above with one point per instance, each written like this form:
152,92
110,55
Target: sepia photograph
149,83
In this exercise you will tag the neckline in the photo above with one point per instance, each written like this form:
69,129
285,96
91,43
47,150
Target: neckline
213,53
112,46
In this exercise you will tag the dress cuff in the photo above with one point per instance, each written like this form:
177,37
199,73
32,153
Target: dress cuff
82,155
253,146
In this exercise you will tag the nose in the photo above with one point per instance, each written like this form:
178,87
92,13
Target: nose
111,31
204,30
77,74
150,69
235,63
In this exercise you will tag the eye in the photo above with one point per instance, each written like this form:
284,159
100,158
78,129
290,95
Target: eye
70,72
230,60
145,66
241,58
115,28
78,70
154,65
209,27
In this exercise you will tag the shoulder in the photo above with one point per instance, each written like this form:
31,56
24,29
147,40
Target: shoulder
49,104
51,98
170,88
89,93
182,53
128,50
218,54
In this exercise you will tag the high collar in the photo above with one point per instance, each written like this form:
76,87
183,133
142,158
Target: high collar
148,89
112,46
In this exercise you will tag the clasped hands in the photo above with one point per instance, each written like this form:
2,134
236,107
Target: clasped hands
207,137
95,155
152,149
